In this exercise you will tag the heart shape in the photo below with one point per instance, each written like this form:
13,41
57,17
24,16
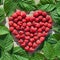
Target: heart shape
30,31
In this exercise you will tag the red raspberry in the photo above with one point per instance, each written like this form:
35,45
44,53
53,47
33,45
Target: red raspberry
34,45
14,25
22,28
32,40
30,44
18,27
23,20
37,19
29,24
27,33
35,37
47,29
27,18
27,28
26,41
36,14
15,32
11,29
32,18
23,44
39,12
10,23
22,36
44,14
42,39
38,42
44,19
41,24
48,17
35,34
19,23
31,35
18,12
40,18
19,18
21,32
17,36
43,27
40,34
20,41
27,37
27,48
39,30
31,49
49,25
50,21
16,20
45,24
14,15
10,18
23,14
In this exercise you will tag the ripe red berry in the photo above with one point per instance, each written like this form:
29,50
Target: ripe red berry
47,29
32,40
35,34
23,14
35,37
27,48
27,28
27,33
40,34
46,24
39,30
34,45
42,39
23,44
21,32
10,18
31,49
14,15
40,18
43,27
20,41
24,20
10,23
37,19
50,21
48,17
18,27
15,32
19,23
39,12
26,41
11,29
44,14
14,25
31,35
19,18
36,14
18,12
32,19
41,24
27,18
44,19
49,25
30,44
16,20
29,24
22,36
38,42
17,36
27,37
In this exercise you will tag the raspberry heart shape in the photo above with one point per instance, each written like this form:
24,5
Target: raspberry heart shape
30,31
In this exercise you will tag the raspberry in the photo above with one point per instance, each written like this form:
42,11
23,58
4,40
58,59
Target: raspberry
26,41
39,12
10,18
32,40
29,44
39,30
11,29
44,19
43,27
48,17
20,41
23,44
49,25
42,39
32,18
27,37
14,15
40,18
41,23
23,20
27,33
37,19
15,32
34,45
29,24
23,14
35,34
27,28
22,36
18,27
47,29
18,12
31,49
50,21
19,18
16,20
14,25
27,48
21,32
27,18
38,42
31,35
19,23
44,14
36,14
10,23
35,37
40,34
45,24
17,36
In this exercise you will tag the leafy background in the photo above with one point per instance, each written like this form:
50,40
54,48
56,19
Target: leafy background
49,50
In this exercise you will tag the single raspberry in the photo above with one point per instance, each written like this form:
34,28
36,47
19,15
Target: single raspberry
18,12
30,44
42,39
11,29
31,49
44,14
14,15
27,48
32,40
10,18
10,23
40,18
47,29
40,12
19,18
20,41
34,45
38,42
44,19
15,32
29,24
36,14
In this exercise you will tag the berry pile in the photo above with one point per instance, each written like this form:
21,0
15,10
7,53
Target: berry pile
30,31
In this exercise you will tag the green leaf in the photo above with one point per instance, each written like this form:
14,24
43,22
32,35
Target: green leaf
17,57
26,6
38,56
20,51
2,14
58,10
48,51
3,30
6,56
9,7
57,49
1,2
6,42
